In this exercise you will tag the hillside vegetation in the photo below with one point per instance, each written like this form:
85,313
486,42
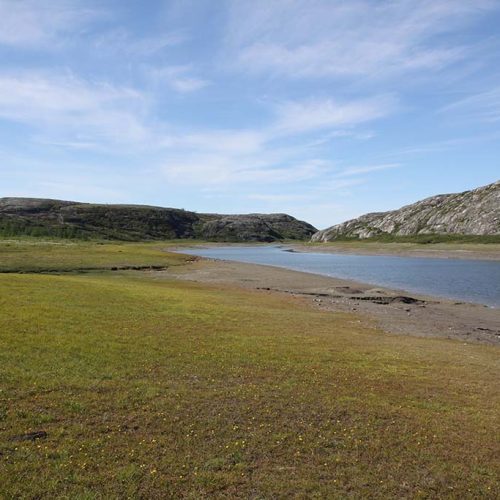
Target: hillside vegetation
66,219
129,384
440,218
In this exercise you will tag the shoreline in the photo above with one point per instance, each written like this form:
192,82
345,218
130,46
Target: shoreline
394,288
459,251
394,311
470,251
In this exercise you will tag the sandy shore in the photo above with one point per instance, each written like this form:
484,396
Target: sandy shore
436,251
393,311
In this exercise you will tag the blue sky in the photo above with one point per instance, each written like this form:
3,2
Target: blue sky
324,109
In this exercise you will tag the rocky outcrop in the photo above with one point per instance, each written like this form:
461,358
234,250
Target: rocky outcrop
137,222
254,227
475,212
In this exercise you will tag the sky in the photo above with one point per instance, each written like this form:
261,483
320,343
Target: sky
323,109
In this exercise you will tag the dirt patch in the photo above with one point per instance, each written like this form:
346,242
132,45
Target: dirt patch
30,436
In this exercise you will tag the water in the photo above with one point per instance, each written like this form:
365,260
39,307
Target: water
462,280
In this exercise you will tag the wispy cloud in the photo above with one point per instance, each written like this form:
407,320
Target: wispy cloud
232,142
178,78
320,114
35,24
72,110
353,171
258,155
344,39
445,145
482,106
120,40
222,170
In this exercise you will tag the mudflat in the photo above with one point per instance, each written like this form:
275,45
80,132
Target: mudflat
475,251
394,311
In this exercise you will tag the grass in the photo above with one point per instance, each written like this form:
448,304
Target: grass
148,388
52,255
395,246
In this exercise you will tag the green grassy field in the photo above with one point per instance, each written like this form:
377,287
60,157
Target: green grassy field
154,388
39,255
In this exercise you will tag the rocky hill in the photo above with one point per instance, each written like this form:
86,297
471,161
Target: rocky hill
42,217
475,212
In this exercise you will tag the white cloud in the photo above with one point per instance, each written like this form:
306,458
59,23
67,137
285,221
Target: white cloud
258,156
187,84
483,106
353,171
67,109
179,78
120,40
35,24
74,113
223,141
317,114
222,170
318,38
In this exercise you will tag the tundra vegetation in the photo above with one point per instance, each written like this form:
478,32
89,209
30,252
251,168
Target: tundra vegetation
125,383
68,219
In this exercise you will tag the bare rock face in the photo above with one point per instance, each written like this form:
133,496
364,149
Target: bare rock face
475,212
41,217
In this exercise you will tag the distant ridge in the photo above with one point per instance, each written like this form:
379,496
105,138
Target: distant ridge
45,217
475,212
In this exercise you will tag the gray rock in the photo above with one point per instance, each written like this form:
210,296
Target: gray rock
475,212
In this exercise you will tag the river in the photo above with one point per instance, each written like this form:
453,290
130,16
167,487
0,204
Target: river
462,280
